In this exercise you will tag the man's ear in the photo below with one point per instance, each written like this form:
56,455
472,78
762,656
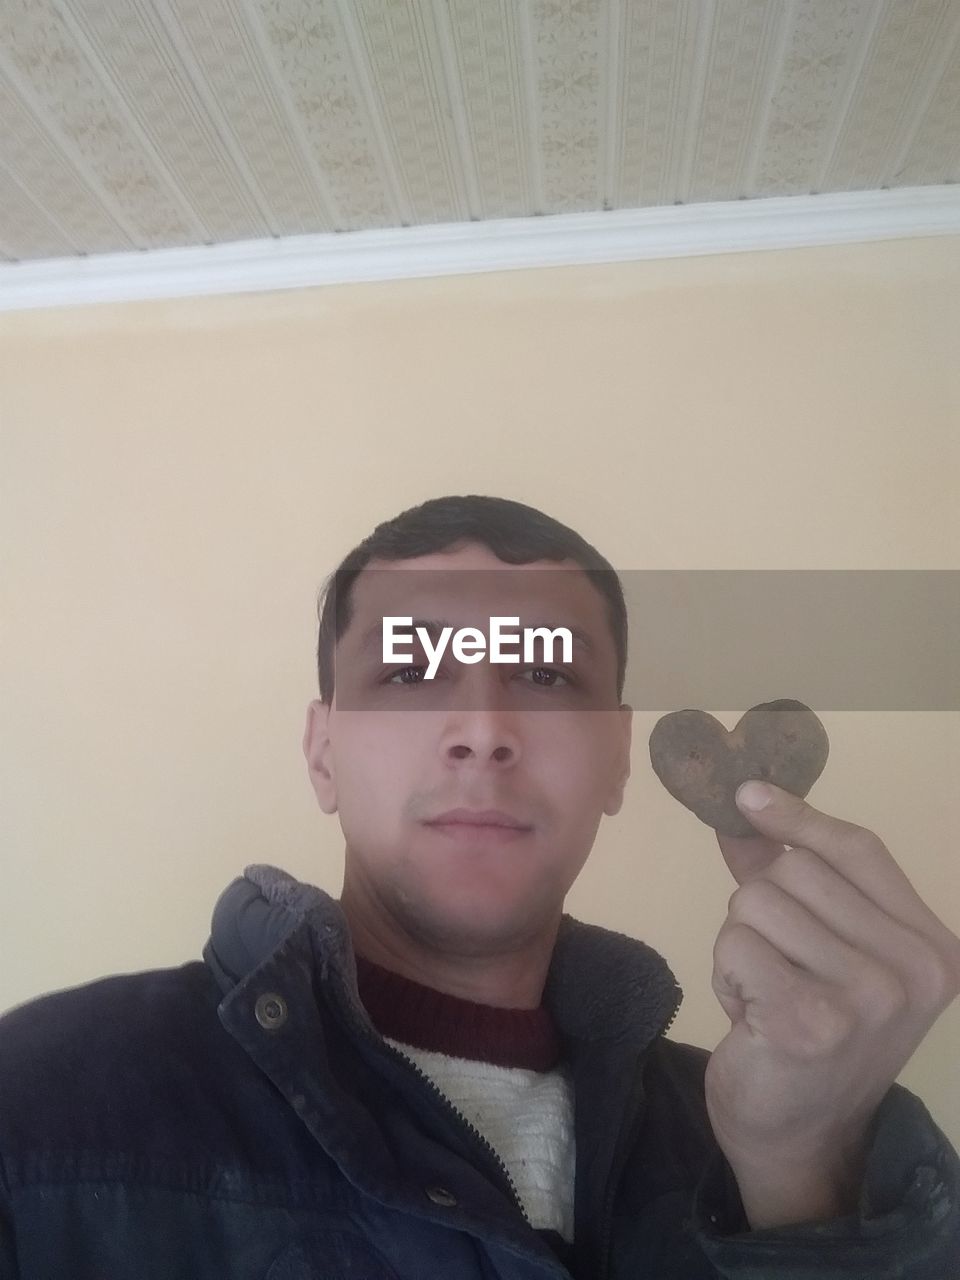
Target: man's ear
318,751
615,798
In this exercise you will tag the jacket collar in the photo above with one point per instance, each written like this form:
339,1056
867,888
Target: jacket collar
601,985
610,995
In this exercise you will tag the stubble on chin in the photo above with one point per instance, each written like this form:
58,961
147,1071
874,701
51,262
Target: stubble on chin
462,930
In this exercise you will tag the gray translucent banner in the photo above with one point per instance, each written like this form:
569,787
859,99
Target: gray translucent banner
837,640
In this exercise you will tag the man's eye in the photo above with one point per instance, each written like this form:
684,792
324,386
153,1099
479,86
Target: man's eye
548,671
418,674
402,672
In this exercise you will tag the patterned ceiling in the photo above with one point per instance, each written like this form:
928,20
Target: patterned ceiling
141,124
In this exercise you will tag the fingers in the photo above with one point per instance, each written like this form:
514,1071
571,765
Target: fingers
798,935
853,852
795,1013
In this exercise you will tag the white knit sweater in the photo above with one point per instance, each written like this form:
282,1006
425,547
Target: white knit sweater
526,1116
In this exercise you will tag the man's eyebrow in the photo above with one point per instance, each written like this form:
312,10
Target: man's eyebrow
372,639
580,638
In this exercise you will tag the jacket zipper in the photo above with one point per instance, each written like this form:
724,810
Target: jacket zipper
619,1161
381,1044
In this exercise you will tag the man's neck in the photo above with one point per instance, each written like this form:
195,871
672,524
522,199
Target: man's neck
513,980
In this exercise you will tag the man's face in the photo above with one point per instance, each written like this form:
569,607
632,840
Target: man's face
394,751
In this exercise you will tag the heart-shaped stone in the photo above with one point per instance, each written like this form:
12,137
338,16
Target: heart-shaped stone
702,764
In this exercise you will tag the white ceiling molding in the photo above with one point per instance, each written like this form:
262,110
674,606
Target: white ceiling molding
504,244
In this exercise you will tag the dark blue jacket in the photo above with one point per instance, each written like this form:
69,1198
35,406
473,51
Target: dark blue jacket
239,1117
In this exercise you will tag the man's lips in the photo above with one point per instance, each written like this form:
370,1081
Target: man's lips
478,819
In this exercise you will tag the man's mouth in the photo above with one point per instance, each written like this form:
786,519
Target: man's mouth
479,820
486,826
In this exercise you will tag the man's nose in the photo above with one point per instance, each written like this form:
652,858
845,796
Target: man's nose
484,727
483,746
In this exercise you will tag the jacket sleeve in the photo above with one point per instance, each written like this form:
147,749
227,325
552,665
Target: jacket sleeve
8,1259
907,1225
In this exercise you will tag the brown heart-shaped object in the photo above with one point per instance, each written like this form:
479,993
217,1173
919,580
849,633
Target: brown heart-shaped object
702,765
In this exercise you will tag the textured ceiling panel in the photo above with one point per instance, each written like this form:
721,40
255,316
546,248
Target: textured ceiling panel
407,74
567,71
144,124
486,69
822,60
741,48
336,105
150,61
933,154
885,96
26,224
658,97
229,56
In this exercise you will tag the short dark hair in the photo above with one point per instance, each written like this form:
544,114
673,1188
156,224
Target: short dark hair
514,532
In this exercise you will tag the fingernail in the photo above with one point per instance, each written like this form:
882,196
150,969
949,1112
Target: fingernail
753,795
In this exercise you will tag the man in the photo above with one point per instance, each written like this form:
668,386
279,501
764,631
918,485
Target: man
442,1075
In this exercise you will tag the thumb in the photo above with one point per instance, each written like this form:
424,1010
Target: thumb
748,856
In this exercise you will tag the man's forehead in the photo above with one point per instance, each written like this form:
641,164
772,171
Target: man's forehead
537,594
470,586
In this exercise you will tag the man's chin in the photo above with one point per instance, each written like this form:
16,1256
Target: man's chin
466,923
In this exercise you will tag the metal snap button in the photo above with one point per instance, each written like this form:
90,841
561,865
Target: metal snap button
271,1010
440,1195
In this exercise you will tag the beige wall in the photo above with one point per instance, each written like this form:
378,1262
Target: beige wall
179,477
